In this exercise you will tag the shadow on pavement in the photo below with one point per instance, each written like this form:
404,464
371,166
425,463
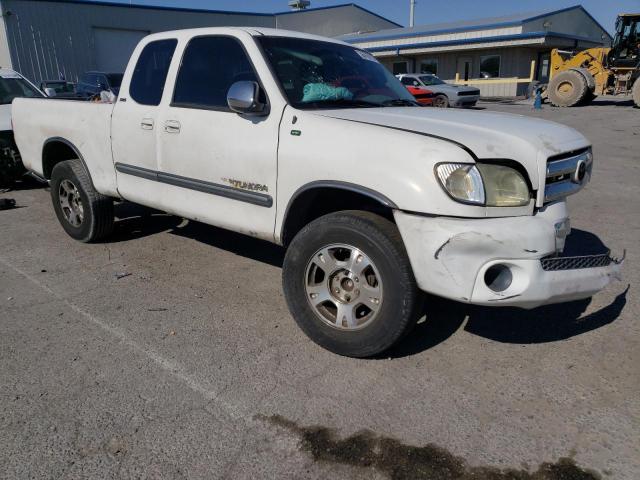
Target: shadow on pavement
243,245
545,324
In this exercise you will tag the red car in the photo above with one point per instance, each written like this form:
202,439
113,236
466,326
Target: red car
422,95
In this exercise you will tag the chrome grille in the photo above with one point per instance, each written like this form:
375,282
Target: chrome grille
567,174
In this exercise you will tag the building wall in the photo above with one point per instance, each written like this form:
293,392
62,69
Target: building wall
46,39
514,62
576,21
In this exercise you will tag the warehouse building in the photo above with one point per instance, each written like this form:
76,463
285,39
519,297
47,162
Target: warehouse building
45,39
499,55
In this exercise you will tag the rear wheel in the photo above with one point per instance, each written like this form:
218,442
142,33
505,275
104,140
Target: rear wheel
567,89
635,91
441,101
349,284
85,214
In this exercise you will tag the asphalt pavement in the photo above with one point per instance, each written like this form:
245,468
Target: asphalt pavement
168,352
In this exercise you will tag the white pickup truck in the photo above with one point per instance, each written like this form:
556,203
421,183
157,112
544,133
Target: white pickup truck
312,144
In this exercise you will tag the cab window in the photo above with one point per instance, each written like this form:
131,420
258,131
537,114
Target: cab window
209,67
150,73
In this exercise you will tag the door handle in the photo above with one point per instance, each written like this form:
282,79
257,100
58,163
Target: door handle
172,126
147,124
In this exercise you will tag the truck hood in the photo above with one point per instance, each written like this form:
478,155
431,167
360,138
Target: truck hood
489,135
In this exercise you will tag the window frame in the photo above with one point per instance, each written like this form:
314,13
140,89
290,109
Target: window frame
166,80
225,109
482,57
427,60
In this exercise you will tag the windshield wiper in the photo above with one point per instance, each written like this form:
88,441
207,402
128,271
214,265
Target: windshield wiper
400,102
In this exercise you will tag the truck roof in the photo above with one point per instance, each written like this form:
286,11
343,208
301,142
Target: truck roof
253,31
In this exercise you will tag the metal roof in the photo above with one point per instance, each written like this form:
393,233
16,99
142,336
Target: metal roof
459,26
206,10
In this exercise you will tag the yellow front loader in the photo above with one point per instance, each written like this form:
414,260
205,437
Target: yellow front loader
578,77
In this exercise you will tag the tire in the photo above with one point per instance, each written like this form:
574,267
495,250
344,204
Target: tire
441,101
85,214
386,299
635,92
567,89
589,96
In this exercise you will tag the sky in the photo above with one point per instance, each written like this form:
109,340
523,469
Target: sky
427,11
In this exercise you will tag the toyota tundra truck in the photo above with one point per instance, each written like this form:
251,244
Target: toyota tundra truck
312,144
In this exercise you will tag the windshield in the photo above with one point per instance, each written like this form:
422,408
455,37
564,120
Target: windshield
15,86
431,80
115,79
316,74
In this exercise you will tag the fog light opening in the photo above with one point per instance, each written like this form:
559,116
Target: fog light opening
498,277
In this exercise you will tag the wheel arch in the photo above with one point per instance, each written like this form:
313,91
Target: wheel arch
321,197
59,149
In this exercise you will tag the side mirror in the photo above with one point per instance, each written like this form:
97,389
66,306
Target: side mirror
415,83
50,92
243,97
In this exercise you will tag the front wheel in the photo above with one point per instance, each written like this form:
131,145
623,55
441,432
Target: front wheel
349,285
441,101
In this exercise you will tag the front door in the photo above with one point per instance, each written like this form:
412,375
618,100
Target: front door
219,167
465,68
134,123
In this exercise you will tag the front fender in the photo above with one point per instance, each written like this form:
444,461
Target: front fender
396,164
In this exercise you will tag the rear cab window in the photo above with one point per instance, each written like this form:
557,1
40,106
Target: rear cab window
150,73
13,85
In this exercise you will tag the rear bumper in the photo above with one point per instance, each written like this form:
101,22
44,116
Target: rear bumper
451,257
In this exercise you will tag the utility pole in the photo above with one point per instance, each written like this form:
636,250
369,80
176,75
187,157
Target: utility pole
412,8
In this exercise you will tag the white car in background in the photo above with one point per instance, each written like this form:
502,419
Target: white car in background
12,85
446,95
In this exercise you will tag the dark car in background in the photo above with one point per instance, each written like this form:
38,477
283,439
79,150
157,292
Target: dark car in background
92,83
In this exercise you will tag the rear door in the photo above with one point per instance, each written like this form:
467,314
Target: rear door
219,167
135,125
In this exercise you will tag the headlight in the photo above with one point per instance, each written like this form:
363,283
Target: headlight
484,184
462,181
504,186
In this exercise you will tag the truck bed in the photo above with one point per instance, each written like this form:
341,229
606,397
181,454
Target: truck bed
84,125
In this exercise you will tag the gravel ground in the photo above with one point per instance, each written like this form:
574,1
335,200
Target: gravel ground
168,352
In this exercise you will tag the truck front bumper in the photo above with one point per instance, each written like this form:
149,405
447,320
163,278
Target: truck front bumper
502,261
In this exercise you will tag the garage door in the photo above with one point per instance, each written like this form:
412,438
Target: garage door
113,47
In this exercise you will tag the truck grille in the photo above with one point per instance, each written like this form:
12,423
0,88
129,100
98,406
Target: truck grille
567,173
575,263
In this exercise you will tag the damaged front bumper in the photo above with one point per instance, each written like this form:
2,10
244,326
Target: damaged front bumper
502,261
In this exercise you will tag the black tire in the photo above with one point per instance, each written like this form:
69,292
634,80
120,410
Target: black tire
441,101
635,92
567,89
97,209
379,239
588,97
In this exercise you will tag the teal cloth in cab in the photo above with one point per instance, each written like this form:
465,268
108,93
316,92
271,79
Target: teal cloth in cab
314,92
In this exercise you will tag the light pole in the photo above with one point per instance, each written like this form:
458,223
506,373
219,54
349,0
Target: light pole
412,8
